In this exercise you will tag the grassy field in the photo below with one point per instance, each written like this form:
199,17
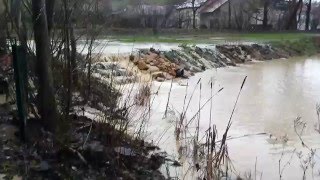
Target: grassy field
212,38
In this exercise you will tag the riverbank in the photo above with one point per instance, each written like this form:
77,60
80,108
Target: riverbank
107,147
199,36
94,145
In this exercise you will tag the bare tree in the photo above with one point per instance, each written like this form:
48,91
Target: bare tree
315,11
195,8
265,13
308,13
47,103
2,27
50,10
292,17
229,14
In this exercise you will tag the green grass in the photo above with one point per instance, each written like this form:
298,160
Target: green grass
212,38
162,39
269,36
303,46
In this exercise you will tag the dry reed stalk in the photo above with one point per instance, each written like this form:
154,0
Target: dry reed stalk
167,106
180,123
222,151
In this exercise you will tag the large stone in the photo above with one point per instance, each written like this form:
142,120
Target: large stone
195,69
161,60
179,72
163,67
168,76
172,72
154,55
187,74
160,79
153,69
142,65
135,62
131,57
157,74
156,63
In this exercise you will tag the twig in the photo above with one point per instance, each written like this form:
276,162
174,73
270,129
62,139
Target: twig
79,155
88,135
184,113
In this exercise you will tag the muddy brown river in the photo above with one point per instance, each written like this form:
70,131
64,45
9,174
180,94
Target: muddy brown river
274,95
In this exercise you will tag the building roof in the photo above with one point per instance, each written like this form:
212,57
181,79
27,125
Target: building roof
212,5
153,9
188,4
143,10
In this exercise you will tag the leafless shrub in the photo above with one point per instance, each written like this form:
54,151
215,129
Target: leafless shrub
306,160
210,158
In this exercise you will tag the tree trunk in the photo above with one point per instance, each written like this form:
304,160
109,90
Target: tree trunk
308,15
73,56
194,11
194,25
47,103
68,74
314,24
292,20
229,14
265,14
155,25
180,20
50,10
89,59
167,15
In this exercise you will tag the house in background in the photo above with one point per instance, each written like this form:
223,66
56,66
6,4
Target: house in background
210,14
184,13
248,15
141,16
214,14
227,14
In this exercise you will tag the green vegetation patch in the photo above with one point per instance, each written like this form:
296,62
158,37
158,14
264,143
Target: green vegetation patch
163,39
303,46
270,36
213,38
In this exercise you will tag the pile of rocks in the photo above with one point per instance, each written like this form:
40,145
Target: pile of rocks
187,60
158,66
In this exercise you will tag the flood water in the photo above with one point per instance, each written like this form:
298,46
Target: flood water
274,95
